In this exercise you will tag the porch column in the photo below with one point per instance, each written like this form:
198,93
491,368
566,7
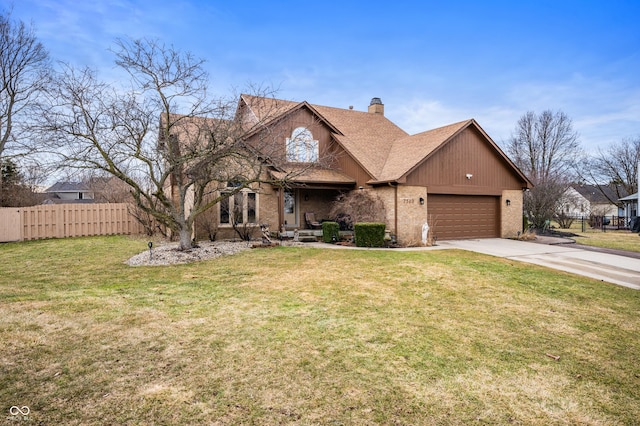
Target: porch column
280,191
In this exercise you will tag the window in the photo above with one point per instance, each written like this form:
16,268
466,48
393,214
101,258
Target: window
301,147
251,207
241,207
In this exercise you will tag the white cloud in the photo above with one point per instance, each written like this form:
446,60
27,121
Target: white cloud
602,110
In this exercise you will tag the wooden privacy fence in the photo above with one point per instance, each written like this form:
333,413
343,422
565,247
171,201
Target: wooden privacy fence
66,220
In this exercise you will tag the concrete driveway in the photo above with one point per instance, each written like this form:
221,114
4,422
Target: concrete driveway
606,267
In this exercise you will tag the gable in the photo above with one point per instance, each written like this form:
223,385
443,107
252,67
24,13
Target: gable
574,196
273,138
343,161
359,141
408,152
601,194
467,153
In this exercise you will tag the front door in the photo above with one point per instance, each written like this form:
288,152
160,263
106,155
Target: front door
291,208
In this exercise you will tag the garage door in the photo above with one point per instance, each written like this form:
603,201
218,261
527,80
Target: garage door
455,217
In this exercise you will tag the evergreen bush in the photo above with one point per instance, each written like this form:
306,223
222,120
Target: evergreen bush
329,230
369,234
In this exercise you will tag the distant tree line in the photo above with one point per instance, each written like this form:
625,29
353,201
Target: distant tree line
547,150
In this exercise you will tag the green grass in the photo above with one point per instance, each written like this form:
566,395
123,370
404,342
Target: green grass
613,239
311,336
619,240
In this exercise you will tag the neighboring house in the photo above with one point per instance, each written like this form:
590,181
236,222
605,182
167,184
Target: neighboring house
584,200
69,192
630,206
455,178
110,190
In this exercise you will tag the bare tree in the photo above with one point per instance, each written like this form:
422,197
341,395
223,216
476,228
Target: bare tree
617,166
24,74
176,148
565,208
545,147
357,206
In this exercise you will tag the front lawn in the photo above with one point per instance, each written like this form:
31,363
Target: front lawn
610,238
613,239
311,336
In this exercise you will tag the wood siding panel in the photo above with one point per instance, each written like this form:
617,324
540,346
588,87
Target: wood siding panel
346,164
331,153
464,216
468,153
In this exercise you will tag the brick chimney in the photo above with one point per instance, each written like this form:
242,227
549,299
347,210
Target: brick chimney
376,106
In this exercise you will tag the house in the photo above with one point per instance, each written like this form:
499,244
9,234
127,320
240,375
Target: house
69,192
629,207
584,200
455,178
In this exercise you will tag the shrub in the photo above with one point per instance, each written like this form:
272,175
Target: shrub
564,220
369,234
329,230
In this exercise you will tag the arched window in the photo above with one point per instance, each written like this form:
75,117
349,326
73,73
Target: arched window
301,147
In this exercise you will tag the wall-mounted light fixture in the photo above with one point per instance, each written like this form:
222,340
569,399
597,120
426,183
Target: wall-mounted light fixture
469,176
361,187
421,201
508,202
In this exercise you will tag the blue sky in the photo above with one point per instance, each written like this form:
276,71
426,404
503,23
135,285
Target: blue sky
431,62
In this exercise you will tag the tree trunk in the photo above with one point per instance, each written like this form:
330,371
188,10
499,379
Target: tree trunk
185,239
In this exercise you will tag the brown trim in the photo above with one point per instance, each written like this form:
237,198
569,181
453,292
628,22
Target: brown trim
464,190
311,186
395,213
280,192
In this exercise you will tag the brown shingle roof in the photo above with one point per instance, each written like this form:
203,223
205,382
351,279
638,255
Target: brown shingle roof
367,137
383,149
191,129
314,176
410,151
266,109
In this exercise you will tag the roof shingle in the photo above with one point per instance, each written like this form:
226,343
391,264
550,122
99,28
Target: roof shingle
410,151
